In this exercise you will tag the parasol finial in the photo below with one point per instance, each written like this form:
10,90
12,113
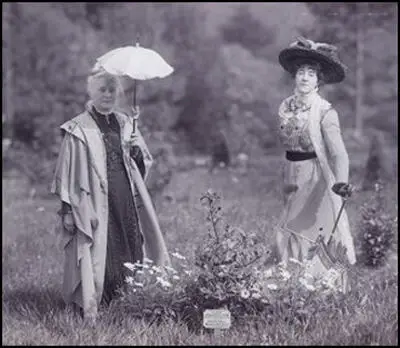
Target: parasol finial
137,39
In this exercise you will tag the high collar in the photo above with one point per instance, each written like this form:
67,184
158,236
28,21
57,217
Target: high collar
90,106
305,100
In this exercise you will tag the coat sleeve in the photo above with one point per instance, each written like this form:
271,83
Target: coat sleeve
71,183
334,142
59,185
137,155
147,157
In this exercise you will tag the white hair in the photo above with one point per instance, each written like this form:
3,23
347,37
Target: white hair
97,73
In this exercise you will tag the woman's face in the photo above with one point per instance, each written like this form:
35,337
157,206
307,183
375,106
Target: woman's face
103,93
306,79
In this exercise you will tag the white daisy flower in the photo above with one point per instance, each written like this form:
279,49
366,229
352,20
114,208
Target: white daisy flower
245,293
130,280
256,295
130,266
231,244
285,274
178,256
308,286
164,283
282,264
330,279
170,269
268,273
272,286
156,269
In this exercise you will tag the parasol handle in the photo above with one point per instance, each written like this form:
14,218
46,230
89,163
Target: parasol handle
135,118
337,219
134,93
134,125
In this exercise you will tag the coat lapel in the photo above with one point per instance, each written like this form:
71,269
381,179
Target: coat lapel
84,128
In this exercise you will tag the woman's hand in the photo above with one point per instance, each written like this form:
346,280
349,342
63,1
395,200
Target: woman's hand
343,189
135,116
133,140
68,223
135,112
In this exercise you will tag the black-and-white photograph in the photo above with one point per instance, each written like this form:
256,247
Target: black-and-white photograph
200,173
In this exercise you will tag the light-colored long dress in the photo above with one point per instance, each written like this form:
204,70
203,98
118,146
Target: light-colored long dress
308,201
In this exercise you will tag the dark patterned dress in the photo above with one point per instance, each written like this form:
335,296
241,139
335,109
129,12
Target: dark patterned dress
124,239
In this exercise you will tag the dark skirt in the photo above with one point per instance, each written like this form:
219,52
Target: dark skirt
124,238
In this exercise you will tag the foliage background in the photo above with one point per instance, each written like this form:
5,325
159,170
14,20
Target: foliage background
227,77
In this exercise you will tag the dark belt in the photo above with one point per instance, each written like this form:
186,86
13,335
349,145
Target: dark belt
295,156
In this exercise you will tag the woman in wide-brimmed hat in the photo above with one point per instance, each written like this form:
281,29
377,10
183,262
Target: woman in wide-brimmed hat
316,168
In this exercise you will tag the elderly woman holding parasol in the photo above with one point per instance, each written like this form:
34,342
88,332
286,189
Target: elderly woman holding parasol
107,215
316,169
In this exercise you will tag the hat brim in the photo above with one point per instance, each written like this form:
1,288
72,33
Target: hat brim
333,71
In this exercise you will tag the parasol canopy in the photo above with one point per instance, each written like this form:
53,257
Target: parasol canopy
137,63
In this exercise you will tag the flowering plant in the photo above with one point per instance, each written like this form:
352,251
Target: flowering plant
226,258
158,292
229,270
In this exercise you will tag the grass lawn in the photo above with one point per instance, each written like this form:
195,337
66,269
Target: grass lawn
33,312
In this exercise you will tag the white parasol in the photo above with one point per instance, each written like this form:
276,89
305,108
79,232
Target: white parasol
136,62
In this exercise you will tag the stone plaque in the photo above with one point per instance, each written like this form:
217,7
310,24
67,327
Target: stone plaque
217,319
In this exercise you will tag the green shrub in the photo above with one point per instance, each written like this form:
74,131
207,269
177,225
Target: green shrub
377,229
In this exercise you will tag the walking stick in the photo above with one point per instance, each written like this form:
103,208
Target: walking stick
337,220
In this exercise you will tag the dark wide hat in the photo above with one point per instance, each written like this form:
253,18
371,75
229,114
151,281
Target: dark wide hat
324,54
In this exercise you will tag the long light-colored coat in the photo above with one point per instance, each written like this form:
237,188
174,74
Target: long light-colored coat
80,180
311,207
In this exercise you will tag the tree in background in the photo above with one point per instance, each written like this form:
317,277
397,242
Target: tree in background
50,60
253,82
8,111
357,28
227,80
247,31
196,55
